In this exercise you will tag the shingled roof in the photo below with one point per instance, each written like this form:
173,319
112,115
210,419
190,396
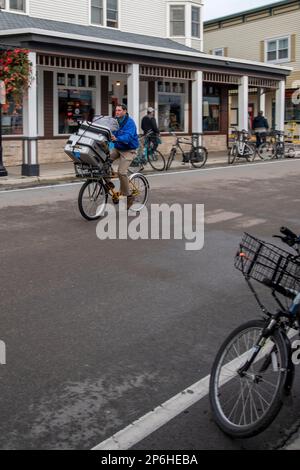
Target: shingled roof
12,21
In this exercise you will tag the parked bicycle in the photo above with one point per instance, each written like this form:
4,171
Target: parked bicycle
241,148
276,147
253,370
148,153
197,156
89,150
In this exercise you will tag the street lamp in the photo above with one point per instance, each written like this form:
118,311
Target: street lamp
3,171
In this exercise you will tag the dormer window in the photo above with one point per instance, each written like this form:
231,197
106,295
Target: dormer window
105,13
196,22
177,20
112,13
17,5
13,5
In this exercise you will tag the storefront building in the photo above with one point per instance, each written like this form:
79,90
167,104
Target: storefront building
76,68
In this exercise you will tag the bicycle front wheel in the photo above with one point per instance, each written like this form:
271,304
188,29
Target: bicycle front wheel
157,160
198,157
140,190
92,200
232,154
245,405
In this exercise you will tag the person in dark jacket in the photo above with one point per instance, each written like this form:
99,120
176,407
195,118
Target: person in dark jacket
149,126
260,127
126,142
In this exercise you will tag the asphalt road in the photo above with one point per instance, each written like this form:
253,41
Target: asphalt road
99,333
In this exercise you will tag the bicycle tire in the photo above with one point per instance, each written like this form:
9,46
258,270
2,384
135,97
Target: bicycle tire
198,157
91,191
140,189
280,150
266,151
252,151
275,346
157,160
171,158
232,154
137,163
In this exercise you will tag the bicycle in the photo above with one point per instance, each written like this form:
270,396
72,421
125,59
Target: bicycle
197,156
276,147
241,148
253,370
94,193
147,153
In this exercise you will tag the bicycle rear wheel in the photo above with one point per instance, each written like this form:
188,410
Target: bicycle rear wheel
244,406
140,190
198,157
92,199
266,151
157,160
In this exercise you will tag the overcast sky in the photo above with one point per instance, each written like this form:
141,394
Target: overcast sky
216,8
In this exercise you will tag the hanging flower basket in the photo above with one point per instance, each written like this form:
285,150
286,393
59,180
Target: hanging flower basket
15,71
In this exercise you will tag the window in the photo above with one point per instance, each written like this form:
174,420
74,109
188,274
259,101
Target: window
2,4
76,97
277,50
292,110
219,51
105,13
196,22
12,118
177,20
171,100
17,5
97,12
112,13
211,109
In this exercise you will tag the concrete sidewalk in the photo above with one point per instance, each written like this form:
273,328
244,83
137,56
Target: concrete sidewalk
64,172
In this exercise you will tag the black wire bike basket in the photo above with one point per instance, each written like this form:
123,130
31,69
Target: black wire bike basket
268,264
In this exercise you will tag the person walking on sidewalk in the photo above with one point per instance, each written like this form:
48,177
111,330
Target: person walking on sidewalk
260,127
126,142
149,126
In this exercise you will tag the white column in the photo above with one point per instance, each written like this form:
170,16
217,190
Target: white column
32,111
134,92
243,103
188,25
280,106
262,100
197,102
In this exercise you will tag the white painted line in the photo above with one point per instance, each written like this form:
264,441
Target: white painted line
152,421
228,167
155,175
221,217
33,188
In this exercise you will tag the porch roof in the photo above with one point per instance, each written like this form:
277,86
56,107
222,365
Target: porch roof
66,38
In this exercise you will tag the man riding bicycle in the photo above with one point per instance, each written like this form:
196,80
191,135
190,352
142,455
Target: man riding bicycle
126,142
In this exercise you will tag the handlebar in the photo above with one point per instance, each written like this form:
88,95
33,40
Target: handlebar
288,233
289,238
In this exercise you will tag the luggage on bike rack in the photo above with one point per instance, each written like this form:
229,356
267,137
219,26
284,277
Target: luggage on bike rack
90,145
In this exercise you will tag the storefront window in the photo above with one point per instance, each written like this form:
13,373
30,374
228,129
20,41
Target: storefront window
211,109
171,99
292,110
12,118
74,106
76,97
